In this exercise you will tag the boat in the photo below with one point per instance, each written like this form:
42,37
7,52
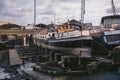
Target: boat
68,38
108,34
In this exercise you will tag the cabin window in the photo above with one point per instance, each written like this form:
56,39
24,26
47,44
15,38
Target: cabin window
63,27
113,38
109,23
66,27
77,27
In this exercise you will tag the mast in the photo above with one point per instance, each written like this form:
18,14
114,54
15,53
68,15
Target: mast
54,18
54,14
82,10
113,8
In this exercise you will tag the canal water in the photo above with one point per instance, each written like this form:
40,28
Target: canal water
97,76
107,75
103,75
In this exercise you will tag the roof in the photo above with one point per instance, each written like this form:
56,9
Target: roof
110,17
73,21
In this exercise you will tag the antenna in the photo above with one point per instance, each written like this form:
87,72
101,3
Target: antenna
113,8
34,13
54,13
54,18
82,11
73,16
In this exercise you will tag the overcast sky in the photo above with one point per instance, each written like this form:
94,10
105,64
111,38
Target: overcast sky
21,11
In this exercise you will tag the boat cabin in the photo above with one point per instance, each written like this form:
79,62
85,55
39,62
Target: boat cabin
69,27
111,22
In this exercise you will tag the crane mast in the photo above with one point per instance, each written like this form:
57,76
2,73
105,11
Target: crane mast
113,8
34,13
82,10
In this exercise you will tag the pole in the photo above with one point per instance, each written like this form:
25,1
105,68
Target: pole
82,11
113,8
34,13
54,18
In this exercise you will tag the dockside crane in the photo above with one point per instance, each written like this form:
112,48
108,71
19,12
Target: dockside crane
82,10
113,8
34,13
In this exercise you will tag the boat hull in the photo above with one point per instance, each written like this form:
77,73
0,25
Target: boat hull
76,46
109,39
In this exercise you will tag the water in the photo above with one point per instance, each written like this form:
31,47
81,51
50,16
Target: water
3,75
103,75
98,76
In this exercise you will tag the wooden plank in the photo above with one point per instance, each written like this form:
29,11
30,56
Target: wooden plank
14,58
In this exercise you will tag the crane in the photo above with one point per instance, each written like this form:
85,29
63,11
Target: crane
82,10
113,8
34,13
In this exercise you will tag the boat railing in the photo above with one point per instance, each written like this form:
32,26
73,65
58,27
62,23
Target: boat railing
110,32
71,34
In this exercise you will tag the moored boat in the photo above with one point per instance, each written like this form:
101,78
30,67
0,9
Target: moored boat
108,34
69,39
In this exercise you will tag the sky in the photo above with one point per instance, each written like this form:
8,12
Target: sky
59,11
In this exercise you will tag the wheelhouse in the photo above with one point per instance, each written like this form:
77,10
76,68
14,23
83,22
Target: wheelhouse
111,22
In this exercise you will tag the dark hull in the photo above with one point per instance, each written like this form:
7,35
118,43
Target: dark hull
76,46
108,41
109,47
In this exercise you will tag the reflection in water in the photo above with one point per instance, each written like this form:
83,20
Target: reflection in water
97,76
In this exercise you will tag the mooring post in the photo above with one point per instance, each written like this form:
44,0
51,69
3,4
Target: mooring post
24,41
